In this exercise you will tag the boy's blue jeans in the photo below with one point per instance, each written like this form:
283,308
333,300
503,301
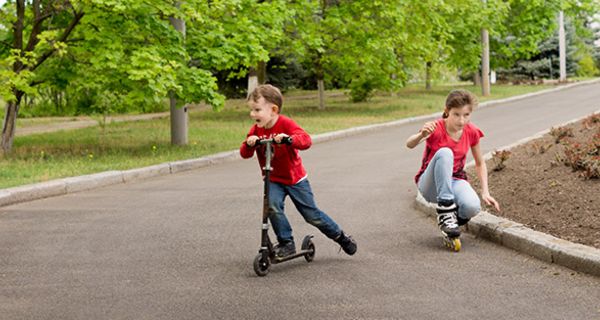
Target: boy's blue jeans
436,184
302,197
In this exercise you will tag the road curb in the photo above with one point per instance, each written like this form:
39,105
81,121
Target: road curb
520,238
63,186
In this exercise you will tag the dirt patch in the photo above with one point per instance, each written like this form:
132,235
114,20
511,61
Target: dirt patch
536,189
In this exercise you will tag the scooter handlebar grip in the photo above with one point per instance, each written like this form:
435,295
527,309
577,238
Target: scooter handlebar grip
287,140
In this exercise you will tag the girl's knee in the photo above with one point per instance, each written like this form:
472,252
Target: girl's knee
444,153
471,209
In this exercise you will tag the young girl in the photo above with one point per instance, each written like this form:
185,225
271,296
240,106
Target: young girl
442,178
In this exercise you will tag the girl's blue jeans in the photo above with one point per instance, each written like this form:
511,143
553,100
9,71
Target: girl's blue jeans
302,197
436,184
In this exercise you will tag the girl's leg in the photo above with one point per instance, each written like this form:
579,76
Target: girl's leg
435,184
467,200
279,221
302,196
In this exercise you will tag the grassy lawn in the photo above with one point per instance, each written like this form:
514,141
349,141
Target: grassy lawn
127,145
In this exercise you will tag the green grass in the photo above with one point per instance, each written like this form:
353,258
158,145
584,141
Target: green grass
127,145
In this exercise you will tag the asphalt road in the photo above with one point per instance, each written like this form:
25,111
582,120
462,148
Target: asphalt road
181,246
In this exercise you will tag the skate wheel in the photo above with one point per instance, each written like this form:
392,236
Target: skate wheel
452,243
456,244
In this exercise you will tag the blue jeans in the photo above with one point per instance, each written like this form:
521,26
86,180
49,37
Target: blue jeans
302,197
436,184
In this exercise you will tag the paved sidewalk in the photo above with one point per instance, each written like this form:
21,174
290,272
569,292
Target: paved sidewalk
180,246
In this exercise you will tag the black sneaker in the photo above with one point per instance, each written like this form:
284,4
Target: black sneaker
461,221
446,216
347,243
283,250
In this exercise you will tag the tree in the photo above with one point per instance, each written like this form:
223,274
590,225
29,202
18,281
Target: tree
234,36
120,53
529,51
30,45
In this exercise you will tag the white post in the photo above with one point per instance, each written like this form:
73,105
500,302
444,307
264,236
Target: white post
562,50
485,61
179,115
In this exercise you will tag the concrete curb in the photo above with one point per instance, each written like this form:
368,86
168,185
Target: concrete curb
518,237
87,182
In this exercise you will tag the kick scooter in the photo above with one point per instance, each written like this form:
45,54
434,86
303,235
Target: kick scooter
266,254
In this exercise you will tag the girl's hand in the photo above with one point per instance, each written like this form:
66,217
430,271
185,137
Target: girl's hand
427,129
490,201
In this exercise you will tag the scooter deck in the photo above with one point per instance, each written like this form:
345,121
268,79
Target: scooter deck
298,254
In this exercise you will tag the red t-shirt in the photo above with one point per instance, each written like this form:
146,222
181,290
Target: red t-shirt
439,138
286,161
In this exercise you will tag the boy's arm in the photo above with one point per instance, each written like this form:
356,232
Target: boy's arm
247,151
300,139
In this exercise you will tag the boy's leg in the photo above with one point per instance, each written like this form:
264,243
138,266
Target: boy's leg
303,198
435,184
279,221
467,200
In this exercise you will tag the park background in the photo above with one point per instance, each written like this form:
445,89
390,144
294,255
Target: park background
340,64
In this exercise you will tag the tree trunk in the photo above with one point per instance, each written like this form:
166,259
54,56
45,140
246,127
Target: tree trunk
179,123
261,72
10,122
179,116
321,86
320,73
428,75
252,80
477,79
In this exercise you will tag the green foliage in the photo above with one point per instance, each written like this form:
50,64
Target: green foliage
125,56
121,146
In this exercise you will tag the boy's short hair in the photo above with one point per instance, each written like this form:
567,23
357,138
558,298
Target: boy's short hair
270,93
460,98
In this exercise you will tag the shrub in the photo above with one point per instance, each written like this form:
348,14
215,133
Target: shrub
499,157
561,133
539,147
591,121
584,157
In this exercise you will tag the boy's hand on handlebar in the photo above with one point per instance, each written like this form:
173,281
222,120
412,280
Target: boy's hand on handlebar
427,129
251,141
280,137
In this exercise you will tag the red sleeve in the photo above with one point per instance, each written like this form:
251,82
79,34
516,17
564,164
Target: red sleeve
300,139
476,134
246,151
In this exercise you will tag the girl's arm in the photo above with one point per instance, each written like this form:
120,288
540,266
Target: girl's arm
423,134
481,169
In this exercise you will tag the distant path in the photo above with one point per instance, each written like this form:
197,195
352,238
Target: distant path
72,123
181,246
84,122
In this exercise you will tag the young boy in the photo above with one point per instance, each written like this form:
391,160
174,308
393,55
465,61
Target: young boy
288,176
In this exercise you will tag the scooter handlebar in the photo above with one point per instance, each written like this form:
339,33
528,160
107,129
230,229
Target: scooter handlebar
284,140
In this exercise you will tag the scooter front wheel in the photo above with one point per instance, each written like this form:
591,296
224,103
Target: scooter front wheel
262,264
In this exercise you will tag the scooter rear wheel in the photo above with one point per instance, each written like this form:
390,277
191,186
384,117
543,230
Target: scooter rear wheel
261,265
308,245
